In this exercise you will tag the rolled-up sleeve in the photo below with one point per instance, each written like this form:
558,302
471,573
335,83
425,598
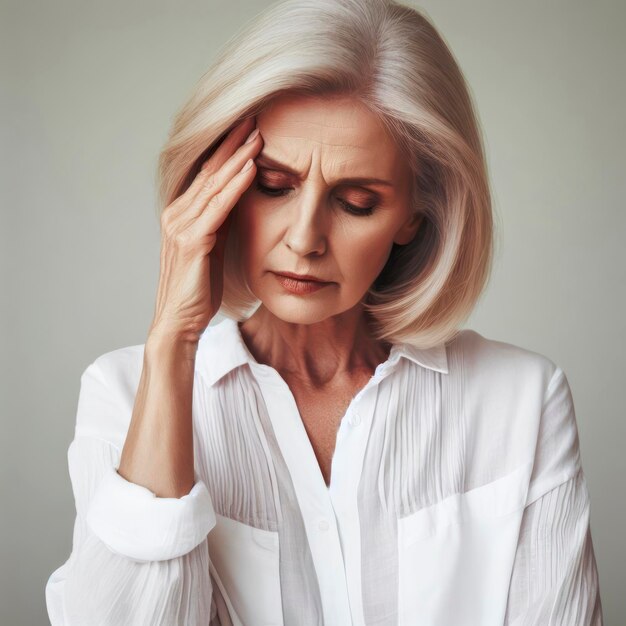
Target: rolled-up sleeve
136,558
132,521
555,577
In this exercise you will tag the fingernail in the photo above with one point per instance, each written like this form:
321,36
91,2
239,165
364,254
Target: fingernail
252,136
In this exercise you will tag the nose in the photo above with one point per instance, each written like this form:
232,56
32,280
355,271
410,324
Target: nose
306,229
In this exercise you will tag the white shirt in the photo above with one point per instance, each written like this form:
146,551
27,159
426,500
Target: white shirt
457,498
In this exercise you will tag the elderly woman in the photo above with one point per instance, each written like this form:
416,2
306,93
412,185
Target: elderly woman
335,450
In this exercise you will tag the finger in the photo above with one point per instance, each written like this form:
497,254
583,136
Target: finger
235,137
221,204
233,140
218,181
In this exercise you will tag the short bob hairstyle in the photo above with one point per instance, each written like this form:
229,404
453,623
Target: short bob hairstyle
391,59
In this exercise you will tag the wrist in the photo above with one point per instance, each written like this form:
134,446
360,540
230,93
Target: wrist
164,342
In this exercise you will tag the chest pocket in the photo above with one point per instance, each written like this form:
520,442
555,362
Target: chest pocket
245,565
455,556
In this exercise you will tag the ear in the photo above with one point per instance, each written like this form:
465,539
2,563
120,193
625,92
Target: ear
408,230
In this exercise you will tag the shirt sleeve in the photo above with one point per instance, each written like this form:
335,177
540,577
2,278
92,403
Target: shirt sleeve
555,577
136,558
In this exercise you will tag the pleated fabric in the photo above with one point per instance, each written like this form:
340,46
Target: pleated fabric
555,533
457,497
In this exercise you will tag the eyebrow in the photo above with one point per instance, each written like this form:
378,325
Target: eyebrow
265,161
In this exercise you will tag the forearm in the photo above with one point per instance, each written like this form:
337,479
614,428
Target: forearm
158,451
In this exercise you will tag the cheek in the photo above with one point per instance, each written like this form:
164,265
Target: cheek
363,255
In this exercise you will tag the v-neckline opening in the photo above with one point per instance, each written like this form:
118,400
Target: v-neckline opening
272,376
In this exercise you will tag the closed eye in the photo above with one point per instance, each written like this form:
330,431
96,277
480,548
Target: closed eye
350,208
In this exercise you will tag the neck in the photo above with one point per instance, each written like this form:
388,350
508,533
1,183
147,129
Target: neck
317,354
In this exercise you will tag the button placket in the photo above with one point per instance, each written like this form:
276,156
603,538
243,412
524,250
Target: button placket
312,495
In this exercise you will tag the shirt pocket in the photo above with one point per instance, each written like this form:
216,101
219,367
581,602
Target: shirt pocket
455,556
245,564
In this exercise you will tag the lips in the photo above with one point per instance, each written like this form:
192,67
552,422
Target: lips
304,277
300,287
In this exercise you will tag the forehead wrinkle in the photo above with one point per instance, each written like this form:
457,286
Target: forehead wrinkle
349,161
340,177
320,141
339,158
337,163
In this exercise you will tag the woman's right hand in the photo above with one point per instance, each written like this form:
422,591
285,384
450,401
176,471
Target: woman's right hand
193,235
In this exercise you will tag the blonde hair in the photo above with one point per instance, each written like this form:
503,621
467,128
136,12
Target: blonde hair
392,60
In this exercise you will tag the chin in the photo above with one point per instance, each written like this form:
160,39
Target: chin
303,312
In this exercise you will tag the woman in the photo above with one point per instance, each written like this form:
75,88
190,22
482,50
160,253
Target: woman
335,450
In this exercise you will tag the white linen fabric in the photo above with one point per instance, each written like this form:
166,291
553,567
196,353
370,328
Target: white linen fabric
457,497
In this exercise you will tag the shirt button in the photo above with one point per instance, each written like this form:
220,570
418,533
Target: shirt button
355,419
323,525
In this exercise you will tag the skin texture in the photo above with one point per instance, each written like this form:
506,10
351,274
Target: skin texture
319,342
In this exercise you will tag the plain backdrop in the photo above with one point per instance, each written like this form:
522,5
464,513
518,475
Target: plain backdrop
88,92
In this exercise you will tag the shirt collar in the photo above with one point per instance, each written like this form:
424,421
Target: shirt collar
228,351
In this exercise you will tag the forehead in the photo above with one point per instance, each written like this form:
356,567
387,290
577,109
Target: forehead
333,126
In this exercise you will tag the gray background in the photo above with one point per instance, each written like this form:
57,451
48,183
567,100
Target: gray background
88,92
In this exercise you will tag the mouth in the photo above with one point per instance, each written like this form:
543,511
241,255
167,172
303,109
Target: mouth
298,286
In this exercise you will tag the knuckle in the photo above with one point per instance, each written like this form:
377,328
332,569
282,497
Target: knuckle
165,218
183,239
215,201
210,182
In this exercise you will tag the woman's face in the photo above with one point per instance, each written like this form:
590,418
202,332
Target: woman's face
305,213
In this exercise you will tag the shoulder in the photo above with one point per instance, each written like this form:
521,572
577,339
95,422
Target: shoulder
503,383
487,361
524,400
